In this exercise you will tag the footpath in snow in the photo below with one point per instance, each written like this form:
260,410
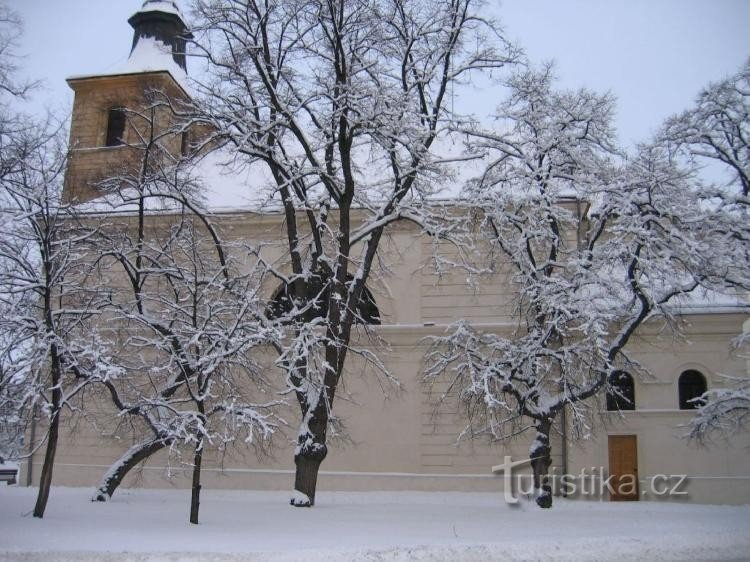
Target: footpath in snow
150,525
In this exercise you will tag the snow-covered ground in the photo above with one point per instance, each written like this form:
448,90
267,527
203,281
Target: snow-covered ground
141,525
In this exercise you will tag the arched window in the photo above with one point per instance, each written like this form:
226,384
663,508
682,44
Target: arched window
621,392
690,385
282,303
115,127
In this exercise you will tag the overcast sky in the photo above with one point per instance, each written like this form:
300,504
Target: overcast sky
654,55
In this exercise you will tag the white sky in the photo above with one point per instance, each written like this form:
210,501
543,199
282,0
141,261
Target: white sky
654,55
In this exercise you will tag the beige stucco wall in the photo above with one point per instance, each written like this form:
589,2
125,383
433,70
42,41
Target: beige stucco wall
393,439
396,437
717,471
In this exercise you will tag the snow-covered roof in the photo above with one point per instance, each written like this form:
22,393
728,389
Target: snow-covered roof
224,187
149,55
228,187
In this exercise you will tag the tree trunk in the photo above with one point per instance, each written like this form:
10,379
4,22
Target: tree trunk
306,477
45,481
120,469
311,450
539,452
196,491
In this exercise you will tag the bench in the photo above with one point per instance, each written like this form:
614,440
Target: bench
8,475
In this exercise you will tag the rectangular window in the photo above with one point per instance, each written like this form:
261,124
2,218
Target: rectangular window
115,127
185,143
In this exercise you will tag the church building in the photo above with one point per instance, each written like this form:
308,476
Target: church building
403,437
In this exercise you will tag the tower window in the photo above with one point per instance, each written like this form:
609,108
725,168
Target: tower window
690,385
621,392
185,143
115,127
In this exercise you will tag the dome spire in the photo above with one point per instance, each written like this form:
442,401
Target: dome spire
162,21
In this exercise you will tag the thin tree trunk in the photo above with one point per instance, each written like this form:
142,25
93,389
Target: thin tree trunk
196,491
45,481
541,459
195,496
120,469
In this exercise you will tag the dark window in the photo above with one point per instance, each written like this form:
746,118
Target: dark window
282,303
115,127
621,392
185,143
691,384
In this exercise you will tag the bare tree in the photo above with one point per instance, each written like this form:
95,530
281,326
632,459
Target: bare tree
343,102
50,354
717,130
11,28
593,246
187,319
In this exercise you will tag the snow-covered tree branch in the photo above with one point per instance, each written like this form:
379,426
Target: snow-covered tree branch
50,352
343,103
716,130
186,313
594,244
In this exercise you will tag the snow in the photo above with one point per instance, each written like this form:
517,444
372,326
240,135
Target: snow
125,201
149,55
227,187
384,526
160,6
709,302
300,499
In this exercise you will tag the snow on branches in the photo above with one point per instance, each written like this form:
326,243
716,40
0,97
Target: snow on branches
343,105
716,130
595,243
183,306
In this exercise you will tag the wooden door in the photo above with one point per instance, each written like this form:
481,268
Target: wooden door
623,467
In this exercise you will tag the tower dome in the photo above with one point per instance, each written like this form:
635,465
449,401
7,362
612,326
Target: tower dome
161,20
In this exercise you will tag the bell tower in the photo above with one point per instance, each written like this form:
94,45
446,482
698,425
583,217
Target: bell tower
116,114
